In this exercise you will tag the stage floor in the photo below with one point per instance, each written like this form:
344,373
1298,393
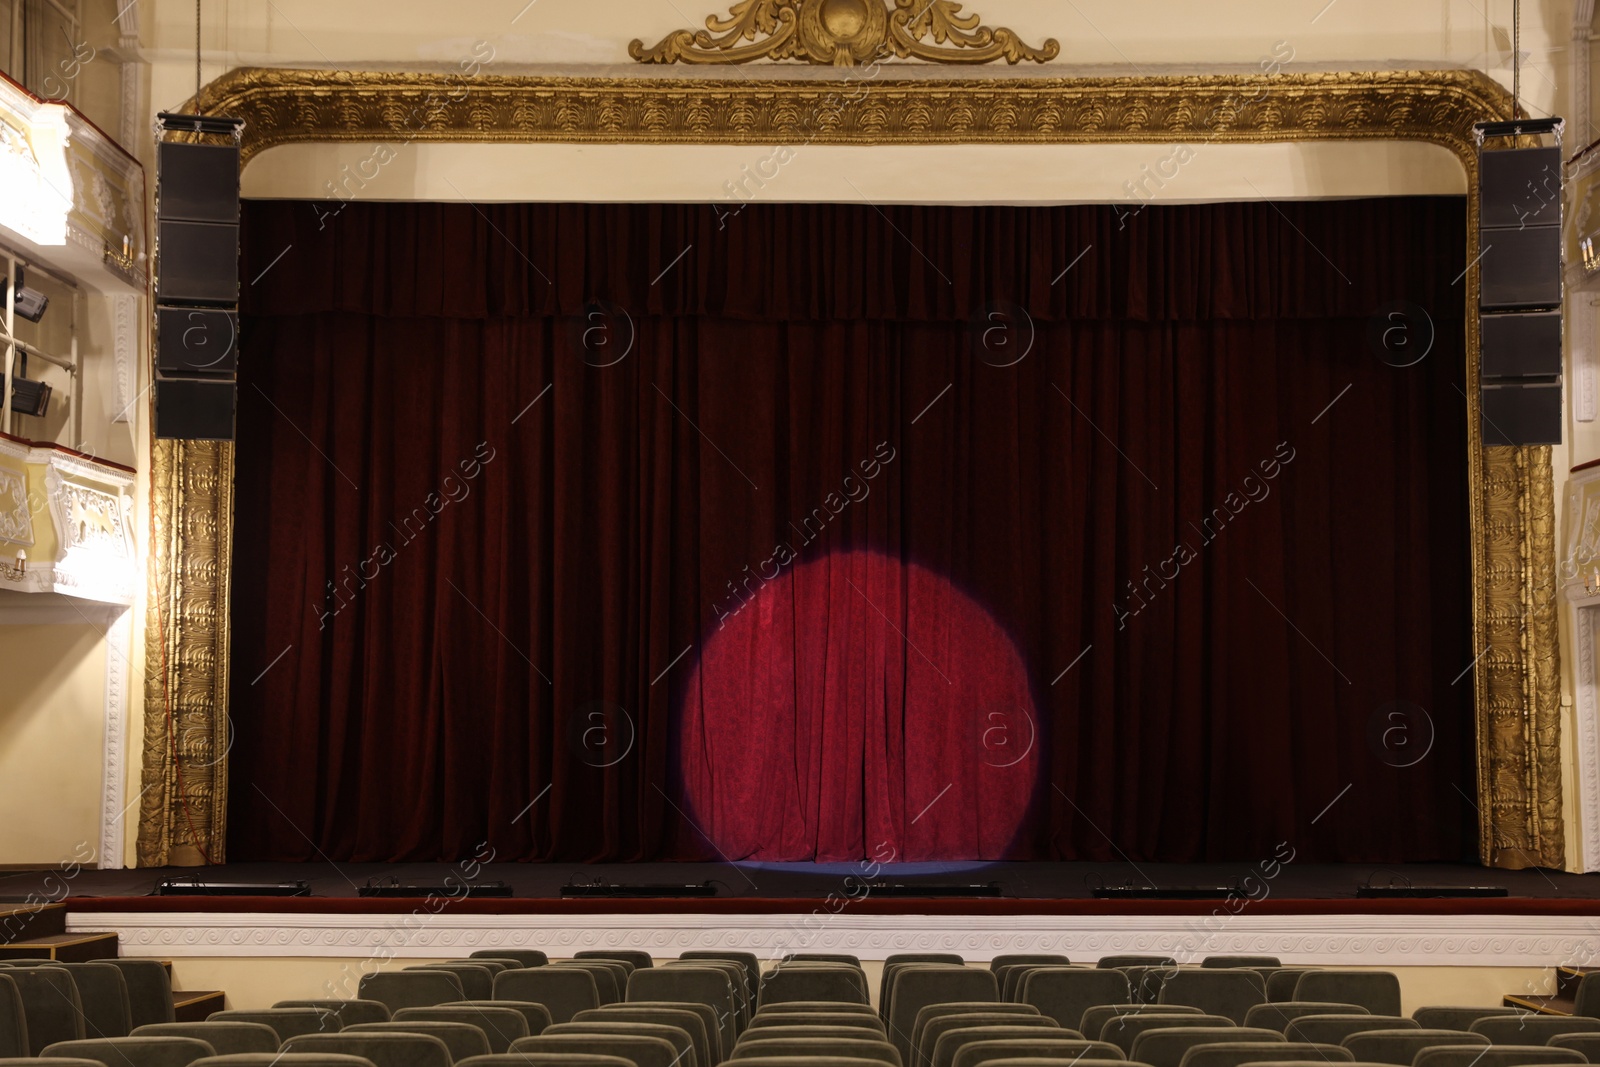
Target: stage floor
803,881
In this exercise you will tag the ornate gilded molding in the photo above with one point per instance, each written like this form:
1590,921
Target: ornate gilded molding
843,33
1512,503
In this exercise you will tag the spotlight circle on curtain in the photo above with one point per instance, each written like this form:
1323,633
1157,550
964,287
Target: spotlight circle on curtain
857,707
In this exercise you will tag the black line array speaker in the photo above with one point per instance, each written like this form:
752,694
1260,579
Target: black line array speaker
197,277
1519,281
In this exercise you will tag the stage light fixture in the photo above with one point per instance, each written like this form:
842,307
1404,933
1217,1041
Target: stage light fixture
30,397
393,889
194,887
928,890
1400,887
598,889
1167,892
30,303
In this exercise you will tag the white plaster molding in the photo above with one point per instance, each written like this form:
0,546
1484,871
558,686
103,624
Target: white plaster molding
1586,716
125,322
1353,940
119,646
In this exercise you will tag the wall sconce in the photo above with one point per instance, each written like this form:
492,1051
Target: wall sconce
1591,579
15,572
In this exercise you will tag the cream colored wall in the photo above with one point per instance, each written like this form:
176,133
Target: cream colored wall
258,983
52,734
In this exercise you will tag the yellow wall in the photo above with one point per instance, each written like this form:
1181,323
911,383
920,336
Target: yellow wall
52,738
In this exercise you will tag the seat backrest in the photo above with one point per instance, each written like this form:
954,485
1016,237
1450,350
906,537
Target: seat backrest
1233,1054
13,1022
818,957
775,1033
860,1048
1278,1016
834,982
50,1006
348,1012
103,993
989,1013
1377,991
710,986
979,1053
747,961
743,1004
643,1051
1402,1046
149,990
925,1036
829,1007
500,1026
917,985
383,1049
1527,1029
1135,960
134,1051
545,1059
1494,1056
817,1018
1010,976
1216,991
477,979
610,976
413,989
528,957
563,991
683,1017
809,1061
288,1022
1093,1023
535,1016
1281,983
462,1039
1586,1044
683,1050
1333,1029
1123,1030
1454,1017
1166,1047
1586,998
635,959
1051,959
1257,962
225,1039
940,1045
895,959
1145,982
282,1059
708,1021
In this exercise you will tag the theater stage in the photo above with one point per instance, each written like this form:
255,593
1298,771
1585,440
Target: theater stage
1302,913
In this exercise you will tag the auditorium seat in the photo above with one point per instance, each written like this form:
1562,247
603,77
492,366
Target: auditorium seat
103,994
1586,998
563,991
413,989
766,1018
837,982
225,1038
683,1050
747,961
476,982
980,1011
1333,1029
1010,976
1495,1056
53,1061
383,1049
1166,1046
1124,1030
1281,983
610,977
775,1033
1450,1017
283,1059
494,967
707,1016
916,985
1254,962
507,963
927,1032
529,957
1050,959
500,1026
817,957
149,991
463,1039
348,1012
1527,1029
50,1006
635,959
1278,1016
1231,992
947,1036
1094,1020
829,1006
1065,993
1377,991
1119,962
133,1051
13,1022
710,986
1587,1044
1044,1061
684,1018
1042,1045
812,1047
1236,1053
743,1006
808,1061
545,1059
643,1051
536,1016
1402,1046
287,1022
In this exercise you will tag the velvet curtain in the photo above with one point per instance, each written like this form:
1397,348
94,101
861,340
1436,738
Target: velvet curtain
631,532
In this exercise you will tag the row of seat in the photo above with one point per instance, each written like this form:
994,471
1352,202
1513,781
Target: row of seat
43,1002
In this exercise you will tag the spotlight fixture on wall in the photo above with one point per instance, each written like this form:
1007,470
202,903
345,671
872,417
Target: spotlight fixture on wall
30,303
30,397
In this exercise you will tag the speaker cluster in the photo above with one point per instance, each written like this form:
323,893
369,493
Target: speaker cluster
1519,281
197,276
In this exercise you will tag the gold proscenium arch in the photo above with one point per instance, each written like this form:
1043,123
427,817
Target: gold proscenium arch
1512,494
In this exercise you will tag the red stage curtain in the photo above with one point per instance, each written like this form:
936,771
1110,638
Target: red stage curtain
626,532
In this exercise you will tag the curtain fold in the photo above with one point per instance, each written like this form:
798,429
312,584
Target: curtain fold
851,533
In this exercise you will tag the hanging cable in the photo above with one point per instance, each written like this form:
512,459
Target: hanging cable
197,56
1516,58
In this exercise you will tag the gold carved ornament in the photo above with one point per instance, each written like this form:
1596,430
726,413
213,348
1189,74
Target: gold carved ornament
1512,504
843,33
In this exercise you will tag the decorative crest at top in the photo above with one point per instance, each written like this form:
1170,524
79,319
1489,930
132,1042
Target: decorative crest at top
843,33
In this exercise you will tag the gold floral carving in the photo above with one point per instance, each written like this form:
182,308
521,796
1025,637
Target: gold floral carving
1512,493
843,33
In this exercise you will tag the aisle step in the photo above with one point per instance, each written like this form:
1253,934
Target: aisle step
1544,1005
68,948
20,920
195,1006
